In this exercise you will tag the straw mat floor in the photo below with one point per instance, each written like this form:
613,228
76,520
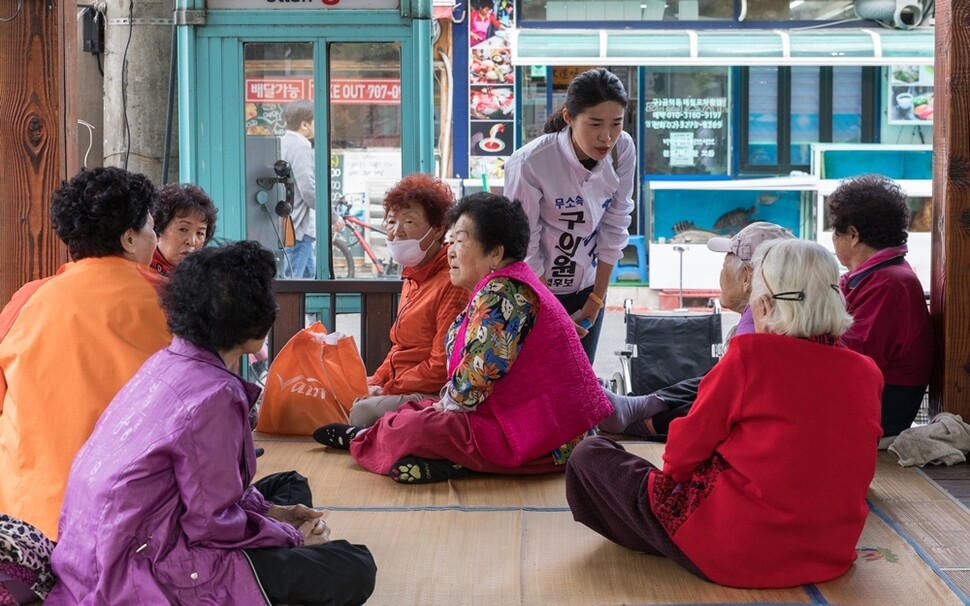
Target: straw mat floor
511,541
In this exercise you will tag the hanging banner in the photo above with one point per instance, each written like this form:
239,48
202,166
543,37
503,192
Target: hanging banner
491,82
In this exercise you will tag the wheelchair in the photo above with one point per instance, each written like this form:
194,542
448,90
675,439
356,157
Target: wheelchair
664,348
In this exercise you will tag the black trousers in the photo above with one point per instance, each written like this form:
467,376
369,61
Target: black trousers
573,303
900,405
285,488
679,398
333,574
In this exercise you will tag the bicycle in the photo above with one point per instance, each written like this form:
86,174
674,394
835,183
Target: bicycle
343,260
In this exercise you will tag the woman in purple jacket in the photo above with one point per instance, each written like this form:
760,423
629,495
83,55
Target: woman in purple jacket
158,508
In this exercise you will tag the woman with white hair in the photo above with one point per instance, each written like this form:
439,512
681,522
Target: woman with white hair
764,482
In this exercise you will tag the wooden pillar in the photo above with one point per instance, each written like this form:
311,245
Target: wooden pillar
950,282
38,133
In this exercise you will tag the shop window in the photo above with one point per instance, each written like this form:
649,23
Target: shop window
686,10
800,10
785,109
625,10
539,100
686,125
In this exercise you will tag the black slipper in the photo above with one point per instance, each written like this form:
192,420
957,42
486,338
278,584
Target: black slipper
415,470
260,452
336,435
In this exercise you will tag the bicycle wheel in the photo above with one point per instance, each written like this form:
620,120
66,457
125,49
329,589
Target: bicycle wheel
341,261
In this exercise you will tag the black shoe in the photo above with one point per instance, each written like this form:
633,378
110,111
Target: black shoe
336,435
260,452
415,470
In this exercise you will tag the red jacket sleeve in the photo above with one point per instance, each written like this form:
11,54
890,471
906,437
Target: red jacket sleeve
692,439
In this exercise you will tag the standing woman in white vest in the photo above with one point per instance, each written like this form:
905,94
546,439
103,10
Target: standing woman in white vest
576,185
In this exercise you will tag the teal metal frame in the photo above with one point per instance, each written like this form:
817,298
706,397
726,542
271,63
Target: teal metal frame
211,107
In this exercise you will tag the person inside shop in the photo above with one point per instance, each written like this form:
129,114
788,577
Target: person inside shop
514,362
869,216
300,227
159,508
650,414
69,342
415,367
482,22
185,221
756,490
576,185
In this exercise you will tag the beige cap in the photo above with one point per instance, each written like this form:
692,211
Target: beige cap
744,243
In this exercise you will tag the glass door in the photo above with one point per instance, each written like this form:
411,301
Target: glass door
323,143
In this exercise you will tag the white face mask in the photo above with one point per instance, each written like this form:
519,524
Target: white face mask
408,253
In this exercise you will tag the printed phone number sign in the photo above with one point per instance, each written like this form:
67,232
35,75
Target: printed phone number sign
368,91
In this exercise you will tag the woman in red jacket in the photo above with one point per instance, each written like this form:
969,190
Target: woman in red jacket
758,489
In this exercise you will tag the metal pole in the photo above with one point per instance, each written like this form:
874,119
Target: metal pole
680,292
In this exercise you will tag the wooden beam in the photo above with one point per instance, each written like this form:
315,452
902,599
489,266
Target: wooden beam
38,126
950,280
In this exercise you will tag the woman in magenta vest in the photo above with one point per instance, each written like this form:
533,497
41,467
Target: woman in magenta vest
764,482
520,394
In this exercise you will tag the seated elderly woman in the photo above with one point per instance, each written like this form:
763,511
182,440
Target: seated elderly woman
869,216
651,414
69,342
414,369
159,507
521,393
185,221
757,490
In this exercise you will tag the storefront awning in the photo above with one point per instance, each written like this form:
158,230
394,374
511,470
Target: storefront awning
443,8
720,47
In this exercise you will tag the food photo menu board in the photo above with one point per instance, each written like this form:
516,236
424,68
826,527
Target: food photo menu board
491,83
910,96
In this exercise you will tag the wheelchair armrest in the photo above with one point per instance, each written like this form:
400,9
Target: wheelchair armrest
629,351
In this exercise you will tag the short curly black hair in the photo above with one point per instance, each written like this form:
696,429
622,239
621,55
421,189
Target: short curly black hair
183,199
93,210
875,206
497,220
222,296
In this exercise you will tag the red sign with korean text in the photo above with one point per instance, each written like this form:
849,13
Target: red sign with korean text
364,91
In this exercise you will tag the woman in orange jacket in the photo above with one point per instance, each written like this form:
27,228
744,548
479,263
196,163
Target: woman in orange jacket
68,343
415,211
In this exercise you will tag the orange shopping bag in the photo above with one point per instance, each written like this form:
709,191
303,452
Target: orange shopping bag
313,381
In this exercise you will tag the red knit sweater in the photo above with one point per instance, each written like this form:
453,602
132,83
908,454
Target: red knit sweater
764,482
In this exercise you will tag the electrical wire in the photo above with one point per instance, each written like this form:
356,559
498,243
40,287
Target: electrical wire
124,81
20,5
279,238
90,127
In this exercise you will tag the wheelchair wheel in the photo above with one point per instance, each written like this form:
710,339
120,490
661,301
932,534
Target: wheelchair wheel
342,261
